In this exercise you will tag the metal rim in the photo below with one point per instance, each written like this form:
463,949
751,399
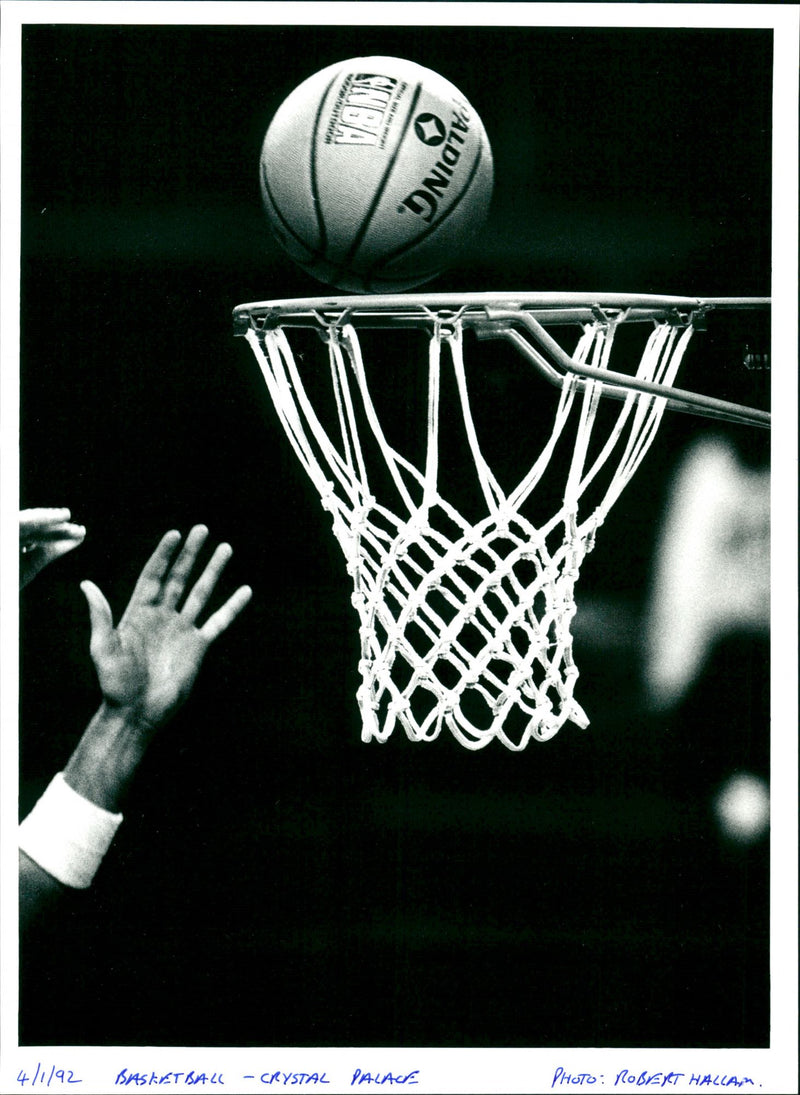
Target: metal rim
520,318
409,308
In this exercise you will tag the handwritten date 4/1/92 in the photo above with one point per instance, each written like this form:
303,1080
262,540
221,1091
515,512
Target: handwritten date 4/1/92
45,1077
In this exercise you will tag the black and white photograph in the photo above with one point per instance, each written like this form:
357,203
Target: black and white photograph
399,528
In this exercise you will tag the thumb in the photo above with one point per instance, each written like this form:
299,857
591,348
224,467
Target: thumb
56,548
100,617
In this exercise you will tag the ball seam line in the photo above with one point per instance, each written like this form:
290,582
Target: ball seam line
315,253
378,195
434,226
323,237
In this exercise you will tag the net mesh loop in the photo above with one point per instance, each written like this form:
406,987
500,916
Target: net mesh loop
465,625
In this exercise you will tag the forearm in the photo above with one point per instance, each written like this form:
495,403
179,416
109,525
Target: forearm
66,835
105,760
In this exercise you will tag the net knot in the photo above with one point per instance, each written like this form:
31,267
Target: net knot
364,664
447,326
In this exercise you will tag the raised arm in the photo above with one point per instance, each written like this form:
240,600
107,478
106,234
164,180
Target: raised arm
146,667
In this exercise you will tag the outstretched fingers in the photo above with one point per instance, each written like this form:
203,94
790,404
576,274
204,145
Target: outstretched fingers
206,583
44,535
38,521
182,568
163,582
148,586
224,617
201,593
47,532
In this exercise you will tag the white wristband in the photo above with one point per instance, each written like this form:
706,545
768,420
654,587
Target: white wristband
67,835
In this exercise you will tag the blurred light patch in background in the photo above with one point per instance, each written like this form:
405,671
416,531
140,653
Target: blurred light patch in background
711,574
741,808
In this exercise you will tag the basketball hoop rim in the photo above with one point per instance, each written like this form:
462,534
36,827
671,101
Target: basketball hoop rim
399,307
520,318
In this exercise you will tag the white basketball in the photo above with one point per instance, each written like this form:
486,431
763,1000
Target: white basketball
375,172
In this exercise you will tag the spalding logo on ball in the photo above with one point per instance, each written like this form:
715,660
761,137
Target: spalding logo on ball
375,172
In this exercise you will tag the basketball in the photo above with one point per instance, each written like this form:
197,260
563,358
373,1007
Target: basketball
375,172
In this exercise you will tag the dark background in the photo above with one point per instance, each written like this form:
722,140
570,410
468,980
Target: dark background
276,882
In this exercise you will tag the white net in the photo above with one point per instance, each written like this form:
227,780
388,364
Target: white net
464,624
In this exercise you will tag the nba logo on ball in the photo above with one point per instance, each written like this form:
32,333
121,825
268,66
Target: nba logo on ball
375,173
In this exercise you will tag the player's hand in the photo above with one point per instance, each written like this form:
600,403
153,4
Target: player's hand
45,535
147,664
